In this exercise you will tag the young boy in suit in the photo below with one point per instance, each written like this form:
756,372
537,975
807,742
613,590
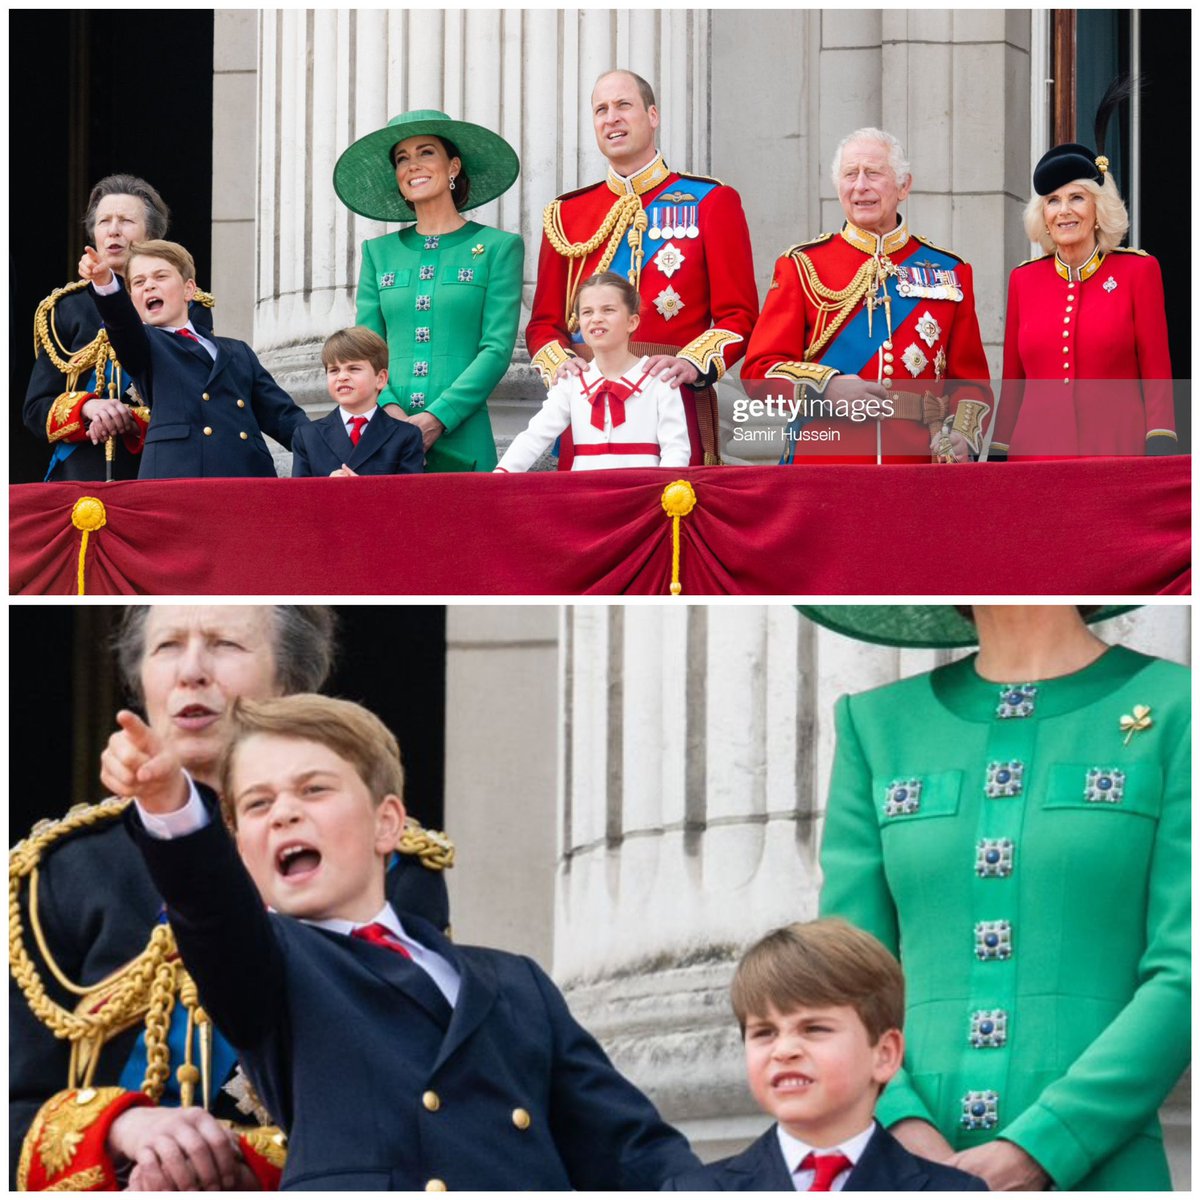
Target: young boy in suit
351,440
394,1059
210,398
821,1007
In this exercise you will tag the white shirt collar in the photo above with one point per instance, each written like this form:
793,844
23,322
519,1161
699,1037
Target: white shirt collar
386,916
795,1151
347,416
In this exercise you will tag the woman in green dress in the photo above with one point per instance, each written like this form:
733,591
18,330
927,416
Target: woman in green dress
445,292
1016,828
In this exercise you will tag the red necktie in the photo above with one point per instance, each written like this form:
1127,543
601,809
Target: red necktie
614,394
380,935
827,1167
187,333
357,424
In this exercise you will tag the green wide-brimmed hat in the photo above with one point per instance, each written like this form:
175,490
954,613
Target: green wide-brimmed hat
925,626
365,179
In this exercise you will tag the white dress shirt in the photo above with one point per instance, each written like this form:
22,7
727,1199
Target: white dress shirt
795,1152
114,285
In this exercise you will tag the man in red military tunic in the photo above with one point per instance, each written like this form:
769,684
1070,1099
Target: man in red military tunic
680,239
861,328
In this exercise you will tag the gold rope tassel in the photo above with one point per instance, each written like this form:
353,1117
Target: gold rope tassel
678,499
88,516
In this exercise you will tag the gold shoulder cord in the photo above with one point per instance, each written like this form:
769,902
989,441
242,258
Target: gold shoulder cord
626,211
433,848
145,986
96,354
838,304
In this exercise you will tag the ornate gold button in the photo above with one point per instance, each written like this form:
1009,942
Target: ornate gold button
241,404
889,358
243,435
208,431
521,1119
436,1185
432,1101
888,370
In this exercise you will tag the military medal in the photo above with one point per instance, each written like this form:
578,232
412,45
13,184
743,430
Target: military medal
654,231
693,230
668,230
928,328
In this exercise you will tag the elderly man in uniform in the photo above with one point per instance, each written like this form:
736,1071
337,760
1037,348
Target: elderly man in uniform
680,239
861,327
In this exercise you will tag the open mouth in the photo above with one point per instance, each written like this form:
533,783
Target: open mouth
791,1083
154,304
195,717
297,861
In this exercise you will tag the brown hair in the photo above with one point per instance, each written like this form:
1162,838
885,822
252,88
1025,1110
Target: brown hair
629,294
348,729
171,252
822,963
356,344
157,218
644,89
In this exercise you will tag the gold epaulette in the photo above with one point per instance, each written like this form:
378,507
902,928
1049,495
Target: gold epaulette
932,246
1039,258
433,848
701,178
207,299
43,316
579,191
1130,250
792,251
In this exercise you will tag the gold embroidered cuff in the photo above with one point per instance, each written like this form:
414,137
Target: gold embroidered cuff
549,358
968,420
65,420
708,350
1167,433
815,375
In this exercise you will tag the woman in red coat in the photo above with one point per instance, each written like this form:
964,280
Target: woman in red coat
1086,365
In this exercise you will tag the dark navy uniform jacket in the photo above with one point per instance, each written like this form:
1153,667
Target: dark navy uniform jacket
387,447
379,1085
885,1166
76,323
207,418
98,906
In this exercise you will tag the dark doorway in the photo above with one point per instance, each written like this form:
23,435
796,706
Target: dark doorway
80,109
63,694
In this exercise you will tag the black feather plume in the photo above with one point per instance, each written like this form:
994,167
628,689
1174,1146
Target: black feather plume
1120,89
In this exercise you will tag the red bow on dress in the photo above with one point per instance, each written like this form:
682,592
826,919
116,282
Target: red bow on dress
614,394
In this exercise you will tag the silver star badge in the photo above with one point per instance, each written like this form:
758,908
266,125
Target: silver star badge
915,360
669,303
1110,285
928,328
669,259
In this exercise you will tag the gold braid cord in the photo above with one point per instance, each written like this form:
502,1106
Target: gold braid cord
432,847
45,337
837,305
625,212
144,985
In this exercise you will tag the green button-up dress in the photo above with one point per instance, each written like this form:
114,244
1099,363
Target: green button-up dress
448,307
1025,851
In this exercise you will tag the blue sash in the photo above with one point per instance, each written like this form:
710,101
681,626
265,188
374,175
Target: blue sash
668,213
852,348
223,1059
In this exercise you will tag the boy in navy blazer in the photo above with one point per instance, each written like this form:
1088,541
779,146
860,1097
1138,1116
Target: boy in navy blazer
352,440
210,398
821,1007
394,1059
